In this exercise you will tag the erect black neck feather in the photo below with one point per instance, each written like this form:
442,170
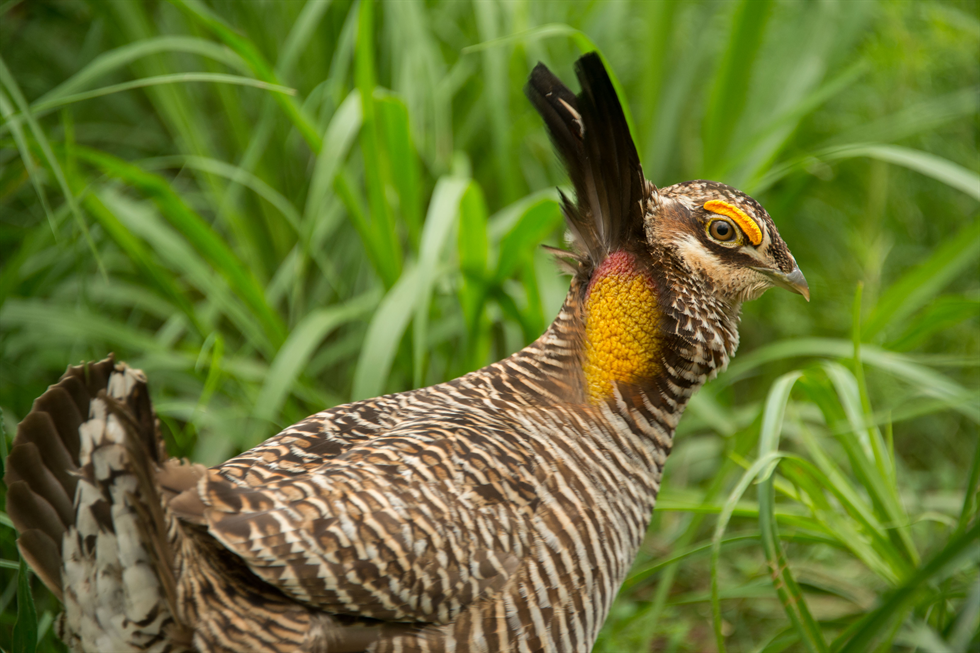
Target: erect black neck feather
593,139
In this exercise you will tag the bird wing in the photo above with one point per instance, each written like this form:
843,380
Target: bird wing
308,444
412,525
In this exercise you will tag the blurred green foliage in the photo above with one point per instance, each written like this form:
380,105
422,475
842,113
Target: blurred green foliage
202,188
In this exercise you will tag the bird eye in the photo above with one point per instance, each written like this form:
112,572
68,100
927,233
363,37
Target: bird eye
722,230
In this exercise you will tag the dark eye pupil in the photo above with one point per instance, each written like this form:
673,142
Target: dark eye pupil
721,230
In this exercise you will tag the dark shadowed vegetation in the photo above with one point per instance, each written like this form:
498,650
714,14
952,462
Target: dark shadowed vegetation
275,207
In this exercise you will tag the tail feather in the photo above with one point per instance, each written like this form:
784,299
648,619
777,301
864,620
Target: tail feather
43,554
60,404
92,521
30,475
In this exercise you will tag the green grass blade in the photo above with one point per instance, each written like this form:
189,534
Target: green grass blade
582,42
229,171
873,624
926,115
377,176
730,88
251,55
766,147
972,489
337,139
384,334
159,80
444,208
930,165
926,380
937,316
725,513
921,285
297,351
402,161
10,85
116,59
858,530
300,34
141,257
638,575
199,233
496,96
25,630
24,149
661,21
181,258
790,595
534,223
71,325
473,249
864,450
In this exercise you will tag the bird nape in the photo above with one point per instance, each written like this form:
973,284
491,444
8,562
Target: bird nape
499,511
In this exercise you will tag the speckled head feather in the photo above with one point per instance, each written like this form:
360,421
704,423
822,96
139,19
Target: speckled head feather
593,139
698,193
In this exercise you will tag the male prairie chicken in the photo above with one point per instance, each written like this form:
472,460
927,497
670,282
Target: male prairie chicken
497,512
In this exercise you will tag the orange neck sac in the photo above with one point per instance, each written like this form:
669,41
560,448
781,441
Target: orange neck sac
621,320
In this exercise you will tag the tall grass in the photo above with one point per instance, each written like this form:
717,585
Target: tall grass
275,207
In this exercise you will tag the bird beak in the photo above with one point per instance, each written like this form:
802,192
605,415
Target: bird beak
794,281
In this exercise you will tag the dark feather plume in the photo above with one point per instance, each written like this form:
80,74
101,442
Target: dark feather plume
593,139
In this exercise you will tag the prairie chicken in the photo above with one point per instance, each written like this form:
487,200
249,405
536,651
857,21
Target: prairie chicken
499,511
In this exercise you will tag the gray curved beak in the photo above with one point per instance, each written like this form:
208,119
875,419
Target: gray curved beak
794,281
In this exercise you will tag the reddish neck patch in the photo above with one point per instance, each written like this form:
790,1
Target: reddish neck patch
621,318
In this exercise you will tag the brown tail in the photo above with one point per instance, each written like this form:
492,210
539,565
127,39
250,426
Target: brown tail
82,493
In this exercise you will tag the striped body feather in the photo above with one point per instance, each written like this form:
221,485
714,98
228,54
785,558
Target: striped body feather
490,511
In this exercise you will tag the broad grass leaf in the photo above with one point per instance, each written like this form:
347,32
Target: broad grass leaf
339,137
256,62
861,636
534,223
443,214
729,89
200,234
44,106
9,85
101,207
64,325
233,172
25,630
298,349
400,157
182,259
383,238
938,315
923,283
783,581
930,165
384,333
923,378
117,59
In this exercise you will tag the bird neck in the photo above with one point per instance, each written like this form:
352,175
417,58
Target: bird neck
622,323
652,336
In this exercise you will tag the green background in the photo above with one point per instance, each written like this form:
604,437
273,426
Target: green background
200,188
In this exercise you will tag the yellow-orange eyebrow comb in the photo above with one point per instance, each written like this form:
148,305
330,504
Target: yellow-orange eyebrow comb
747,224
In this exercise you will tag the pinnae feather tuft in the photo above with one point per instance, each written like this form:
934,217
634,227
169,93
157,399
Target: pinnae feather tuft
593,140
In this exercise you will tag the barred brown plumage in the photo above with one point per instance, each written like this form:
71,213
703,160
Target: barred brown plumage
499,511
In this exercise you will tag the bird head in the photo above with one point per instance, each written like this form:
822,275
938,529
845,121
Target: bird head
723,237
704,232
